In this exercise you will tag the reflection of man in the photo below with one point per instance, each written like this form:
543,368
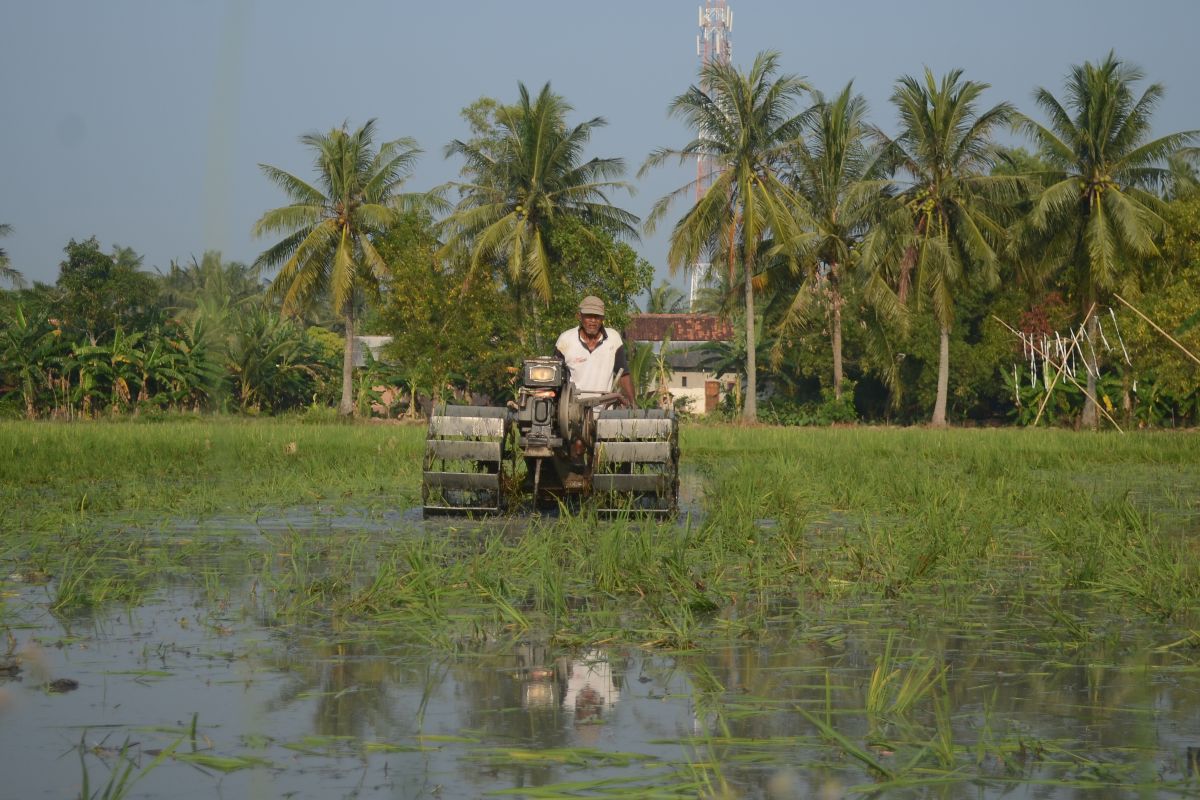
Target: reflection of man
589,705
594,354
591,688
537,676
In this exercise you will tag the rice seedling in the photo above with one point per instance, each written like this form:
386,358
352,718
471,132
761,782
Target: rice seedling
942,743
847,746
222,763
121,778
575,756
894,690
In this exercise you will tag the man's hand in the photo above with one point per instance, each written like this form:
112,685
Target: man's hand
625,387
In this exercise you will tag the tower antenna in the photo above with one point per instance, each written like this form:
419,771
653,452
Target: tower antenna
713,46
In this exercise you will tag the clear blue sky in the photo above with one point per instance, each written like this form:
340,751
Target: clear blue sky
142,121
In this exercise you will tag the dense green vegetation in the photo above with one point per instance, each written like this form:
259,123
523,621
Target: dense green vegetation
869,276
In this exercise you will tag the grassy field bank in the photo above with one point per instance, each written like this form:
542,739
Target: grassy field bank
199,465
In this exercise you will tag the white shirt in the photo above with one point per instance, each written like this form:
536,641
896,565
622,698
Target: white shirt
591,371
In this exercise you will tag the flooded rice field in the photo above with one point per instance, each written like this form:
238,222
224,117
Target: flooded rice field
834,614
210,684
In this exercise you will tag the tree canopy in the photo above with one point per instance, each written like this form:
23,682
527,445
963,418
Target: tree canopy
744,124
524,171
922,273
328,251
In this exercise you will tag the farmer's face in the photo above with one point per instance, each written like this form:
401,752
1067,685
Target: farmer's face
591,323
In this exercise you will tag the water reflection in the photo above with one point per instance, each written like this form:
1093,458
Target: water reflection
584,687
539,676
345,683
1101,711
1013,702
1001,702
541,697
592,689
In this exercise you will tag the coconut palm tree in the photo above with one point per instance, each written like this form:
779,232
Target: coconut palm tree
745,123
843,177
522,177
1099,214
328,251
949,221
666,299
185,287
1183,177
6,270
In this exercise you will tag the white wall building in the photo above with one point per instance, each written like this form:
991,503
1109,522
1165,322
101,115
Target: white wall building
690,378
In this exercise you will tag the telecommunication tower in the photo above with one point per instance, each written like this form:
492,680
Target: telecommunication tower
713,46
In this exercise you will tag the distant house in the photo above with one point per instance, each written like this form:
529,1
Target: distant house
686,333
373,343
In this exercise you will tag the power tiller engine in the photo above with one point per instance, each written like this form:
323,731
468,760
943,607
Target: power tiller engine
553,446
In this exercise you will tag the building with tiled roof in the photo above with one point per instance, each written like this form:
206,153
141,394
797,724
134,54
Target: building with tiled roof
690,376
681,327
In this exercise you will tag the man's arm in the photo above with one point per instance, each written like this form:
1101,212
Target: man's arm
625,387
625,382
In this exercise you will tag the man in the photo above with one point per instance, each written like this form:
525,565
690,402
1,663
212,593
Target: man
594,354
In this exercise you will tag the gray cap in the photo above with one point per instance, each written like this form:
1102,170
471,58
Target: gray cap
591,305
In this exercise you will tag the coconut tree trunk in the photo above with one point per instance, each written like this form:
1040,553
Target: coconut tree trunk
943,383
537,327
346,406
750,407
1091,416
906,267
836,298
1126,399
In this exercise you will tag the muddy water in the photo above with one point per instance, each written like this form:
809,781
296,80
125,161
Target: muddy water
258,708
302,714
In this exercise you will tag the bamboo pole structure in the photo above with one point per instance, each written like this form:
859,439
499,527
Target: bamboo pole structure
1061,367
1058,373
1152,324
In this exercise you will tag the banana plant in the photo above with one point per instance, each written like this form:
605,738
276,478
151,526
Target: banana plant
89,373
126,367
29,347
199,356
272,362
652,374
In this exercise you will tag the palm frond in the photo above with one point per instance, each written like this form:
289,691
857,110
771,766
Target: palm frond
1102,206
531,174
299,190
1101,251
1136,223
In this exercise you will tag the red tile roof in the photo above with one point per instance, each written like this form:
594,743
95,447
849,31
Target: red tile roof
682,327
